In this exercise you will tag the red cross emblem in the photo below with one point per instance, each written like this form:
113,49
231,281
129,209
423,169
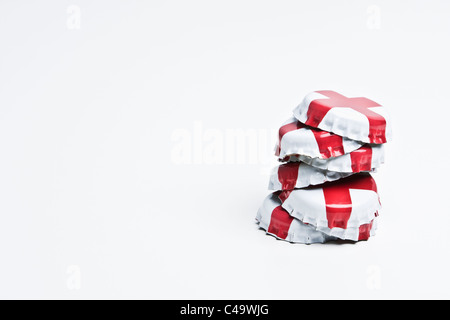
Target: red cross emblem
338,201
337,197
320,107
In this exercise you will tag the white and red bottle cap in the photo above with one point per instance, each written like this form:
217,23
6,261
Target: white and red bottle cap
366,158
277,222
296,138
294,175
359,119
343,209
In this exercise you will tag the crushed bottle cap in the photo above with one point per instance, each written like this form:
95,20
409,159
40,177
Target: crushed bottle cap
295,138
340,208
359,119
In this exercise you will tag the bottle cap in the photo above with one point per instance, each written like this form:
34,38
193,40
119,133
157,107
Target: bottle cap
295,138
359,119
340,208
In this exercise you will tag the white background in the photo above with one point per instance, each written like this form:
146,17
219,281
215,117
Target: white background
94,95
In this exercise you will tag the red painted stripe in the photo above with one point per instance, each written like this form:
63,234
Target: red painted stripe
362,159
280,223
319,108
330,145
361,181
364,231
338,201
338,205
288,175
284,195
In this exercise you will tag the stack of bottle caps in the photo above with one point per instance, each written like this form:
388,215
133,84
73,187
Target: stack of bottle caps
323,189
